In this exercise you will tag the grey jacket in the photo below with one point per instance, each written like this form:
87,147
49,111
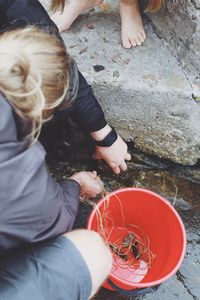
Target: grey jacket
33,207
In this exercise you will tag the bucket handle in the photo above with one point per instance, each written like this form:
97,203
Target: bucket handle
134,292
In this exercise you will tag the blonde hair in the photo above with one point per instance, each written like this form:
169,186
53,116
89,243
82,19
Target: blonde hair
34,74
154,5
57,4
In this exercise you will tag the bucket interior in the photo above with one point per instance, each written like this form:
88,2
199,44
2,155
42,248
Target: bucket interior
141,211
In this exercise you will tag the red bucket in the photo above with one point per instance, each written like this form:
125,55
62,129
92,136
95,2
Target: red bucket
132,208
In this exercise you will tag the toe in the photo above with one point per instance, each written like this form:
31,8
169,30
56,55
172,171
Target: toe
133,42
126,43
138,42
143,34
141,37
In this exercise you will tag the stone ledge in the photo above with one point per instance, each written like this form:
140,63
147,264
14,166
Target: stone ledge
179,24
143,91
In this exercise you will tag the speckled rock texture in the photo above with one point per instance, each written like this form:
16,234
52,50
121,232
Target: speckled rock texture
146,93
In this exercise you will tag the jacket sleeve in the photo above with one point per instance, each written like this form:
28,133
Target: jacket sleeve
33,206
37,207
85,111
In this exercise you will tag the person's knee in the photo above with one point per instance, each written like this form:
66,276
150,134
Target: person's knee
95,253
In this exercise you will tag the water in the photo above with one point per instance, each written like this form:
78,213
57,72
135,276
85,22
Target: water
181,186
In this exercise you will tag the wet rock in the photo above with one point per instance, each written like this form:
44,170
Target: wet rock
179,24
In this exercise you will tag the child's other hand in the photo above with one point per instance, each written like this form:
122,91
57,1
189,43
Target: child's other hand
115,155
90,183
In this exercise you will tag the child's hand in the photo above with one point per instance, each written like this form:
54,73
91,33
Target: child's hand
115,155
90,183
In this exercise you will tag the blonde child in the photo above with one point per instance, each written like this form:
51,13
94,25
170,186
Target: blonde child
35,209
38,81
34,79
85,110
132,29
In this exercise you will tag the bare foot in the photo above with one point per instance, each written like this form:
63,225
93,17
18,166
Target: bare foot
71,11
132,31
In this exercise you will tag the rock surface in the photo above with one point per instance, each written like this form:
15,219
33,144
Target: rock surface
179,24
144,92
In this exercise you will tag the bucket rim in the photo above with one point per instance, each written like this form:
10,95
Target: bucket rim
166,202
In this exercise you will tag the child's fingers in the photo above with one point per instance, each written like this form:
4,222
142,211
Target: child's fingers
123,166
93,190
128,156
116,170
94,173
97,187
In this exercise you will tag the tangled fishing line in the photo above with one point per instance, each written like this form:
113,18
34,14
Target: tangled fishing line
132,246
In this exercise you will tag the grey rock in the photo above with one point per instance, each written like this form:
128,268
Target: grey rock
151,101
179,24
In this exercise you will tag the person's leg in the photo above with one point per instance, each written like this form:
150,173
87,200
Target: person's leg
95,253
70,267
71,11
132,31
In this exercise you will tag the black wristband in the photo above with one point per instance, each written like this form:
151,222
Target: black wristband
109,139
